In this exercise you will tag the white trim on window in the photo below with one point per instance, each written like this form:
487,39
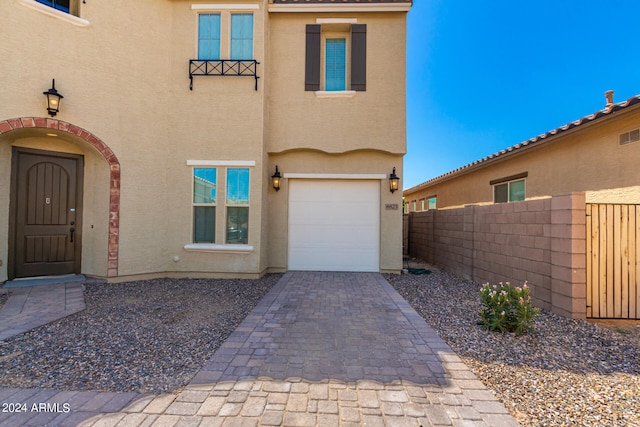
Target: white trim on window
223,163
336,20
335,93
225,7
48,10
213,247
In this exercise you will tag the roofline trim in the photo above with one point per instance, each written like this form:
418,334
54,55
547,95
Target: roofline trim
528,144
344,7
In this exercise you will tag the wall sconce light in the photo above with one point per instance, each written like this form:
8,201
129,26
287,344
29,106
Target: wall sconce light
275,179
53,99
394,180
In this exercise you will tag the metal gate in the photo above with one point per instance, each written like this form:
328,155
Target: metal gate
613,261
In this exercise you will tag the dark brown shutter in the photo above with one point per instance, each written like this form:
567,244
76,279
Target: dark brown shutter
312,61
359,57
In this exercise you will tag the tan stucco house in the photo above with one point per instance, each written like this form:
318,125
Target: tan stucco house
597,154
200,138
559,211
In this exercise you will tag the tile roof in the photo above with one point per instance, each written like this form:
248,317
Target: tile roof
535,141
337,1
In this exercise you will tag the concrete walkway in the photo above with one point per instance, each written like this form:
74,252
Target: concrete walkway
334,349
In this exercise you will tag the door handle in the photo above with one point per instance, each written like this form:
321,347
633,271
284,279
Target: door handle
71,231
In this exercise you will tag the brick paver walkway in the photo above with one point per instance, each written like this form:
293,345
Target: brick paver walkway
33,306
321,349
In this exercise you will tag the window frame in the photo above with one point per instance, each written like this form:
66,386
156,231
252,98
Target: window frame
435,203
200,55
221,205
71,17
225,39
196,205
73,9
335,35
509,184
506,180
227,205
355,36
231,39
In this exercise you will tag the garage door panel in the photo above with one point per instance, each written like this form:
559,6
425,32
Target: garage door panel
337,259
332,213
334,225
344,237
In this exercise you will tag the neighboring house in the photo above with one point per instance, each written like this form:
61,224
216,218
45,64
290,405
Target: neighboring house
177,119
559,211
595,153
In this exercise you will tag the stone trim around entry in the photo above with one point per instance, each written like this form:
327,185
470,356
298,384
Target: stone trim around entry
10,125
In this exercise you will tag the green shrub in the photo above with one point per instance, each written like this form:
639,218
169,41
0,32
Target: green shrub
506,308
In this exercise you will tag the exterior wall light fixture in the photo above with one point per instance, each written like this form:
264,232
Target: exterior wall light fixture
53,99
275,179
394,180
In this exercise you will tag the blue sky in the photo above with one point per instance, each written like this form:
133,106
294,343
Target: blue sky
483,76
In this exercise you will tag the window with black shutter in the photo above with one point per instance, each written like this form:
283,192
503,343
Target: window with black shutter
322,58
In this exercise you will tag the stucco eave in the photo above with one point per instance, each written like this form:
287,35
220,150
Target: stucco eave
340,7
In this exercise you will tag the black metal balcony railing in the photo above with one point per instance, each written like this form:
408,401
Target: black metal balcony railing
223,67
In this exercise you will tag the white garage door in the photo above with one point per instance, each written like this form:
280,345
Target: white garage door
334,225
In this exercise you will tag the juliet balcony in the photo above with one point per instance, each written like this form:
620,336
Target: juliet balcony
223,67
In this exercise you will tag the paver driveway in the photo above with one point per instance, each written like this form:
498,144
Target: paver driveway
335,349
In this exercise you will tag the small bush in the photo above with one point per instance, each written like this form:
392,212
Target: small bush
506,308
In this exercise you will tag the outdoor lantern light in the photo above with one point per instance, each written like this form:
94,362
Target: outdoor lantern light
393,181
53,99
275,179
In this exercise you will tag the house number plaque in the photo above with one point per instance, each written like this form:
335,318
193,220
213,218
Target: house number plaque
391,206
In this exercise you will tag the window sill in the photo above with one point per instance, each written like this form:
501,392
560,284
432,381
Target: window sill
335,93
211,247
48,10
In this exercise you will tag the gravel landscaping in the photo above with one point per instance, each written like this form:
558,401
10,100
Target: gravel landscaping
566,373
153,336
4,296
147,336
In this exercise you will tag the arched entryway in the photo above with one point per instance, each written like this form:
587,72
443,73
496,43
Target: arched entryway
50,124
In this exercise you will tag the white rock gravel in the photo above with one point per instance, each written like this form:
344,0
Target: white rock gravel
147,336
567,373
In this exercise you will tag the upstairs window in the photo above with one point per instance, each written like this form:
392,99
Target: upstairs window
335,64
225,45
71,7
336,58
63,5
241,36
209,36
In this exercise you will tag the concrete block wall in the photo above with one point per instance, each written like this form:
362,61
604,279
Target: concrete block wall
512,244
420,235
541,242
568,255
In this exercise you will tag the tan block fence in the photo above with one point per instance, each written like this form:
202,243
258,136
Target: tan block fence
542,242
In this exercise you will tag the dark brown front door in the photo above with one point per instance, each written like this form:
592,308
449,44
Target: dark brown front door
46,209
